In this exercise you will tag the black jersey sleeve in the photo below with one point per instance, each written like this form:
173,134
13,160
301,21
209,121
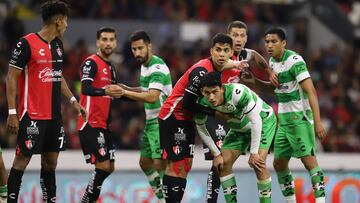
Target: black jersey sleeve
192,92
88,72
20,55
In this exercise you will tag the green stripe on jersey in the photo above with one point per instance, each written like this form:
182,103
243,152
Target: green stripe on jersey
155,75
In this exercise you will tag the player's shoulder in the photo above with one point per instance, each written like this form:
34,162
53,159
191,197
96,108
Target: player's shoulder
157,64
291,58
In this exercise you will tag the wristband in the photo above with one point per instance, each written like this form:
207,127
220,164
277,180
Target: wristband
12,111
72,100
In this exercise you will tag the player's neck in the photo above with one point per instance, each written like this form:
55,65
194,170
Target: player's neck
103,56
148,60
47,33
279,57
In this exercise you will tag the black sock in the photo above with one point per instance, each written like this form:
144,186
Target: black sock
93,189
213,185
48,185
14,183
174,188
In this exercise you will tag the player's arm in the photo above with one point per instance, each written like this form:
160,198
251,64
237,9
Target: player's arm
134,89
68,94
255,161
192,92
308,87
261,62
236,64
19,58
150,96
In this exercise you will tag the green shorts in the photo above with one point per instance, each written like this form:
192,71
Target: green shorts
295,140
150,142
237,140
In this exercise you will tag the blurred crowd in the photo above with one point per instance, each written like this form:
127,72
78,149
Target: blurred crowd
335,71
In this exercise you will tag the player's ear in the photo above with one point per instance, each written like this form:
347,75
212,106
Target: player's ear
283,43
150,46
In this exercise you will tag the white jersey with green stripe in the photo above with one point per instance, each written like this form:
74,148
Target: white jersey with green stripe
238,101
293,101
155,75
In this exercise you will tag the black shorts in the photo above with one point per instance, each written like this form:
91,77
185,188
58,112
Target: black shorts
40,136
217,129
97,144
177,138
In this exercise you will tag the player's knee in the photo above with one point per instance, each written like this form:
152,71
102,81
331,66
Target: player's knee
159,165
279,165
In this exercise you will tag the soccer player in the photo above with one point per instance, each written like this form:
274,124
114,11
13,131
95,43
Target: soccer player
155,87
252,123
177,130
98,85
298,114
217,128
35,66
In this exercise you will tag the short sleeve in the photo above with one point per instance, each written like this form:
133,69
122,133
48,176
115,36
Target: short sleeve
193,85
88,70
20,55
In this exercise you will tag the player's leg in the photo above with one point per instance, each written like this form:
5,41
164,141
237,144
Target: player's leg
3,180
47,176
27,145
306,150
150,159
98,150
267,136
177,142
217,129
227,178
282,152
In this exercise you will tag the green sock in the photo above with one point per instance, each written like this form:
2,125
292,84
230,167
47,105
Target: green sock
264,187
287,186
3,192
155,183
317,181
230,189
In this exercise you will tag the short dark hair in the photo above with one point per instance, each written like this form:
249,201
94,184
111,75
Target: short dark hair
50,9
236,24
277,31
221,38
138,35
104,29
211,79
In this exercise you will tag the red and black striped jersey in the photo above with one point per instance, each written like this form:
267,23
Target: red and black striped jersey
39,86
102,74
189,82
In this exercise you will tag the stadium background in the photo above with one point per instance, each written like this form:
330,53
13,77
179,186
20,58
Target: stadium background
325,32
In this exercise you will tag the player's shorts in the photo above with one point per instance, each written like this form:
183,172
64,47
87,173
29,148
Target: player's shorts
150,142
177,138
217,129
240,140
295,140
97,144
40,136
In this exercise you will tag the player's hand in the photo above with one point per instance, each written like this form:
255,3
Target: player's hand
115,91
256,162
247,77
320,130
218,162
273,77
12,124
241,64
81,110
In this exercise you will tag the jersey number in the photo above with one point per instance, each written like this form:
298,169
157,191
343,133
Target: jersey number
61,141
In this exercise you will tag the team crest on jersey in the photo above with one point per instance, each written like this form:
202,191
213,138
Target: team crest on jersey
102,151
29,143
229,107
177,149
59,52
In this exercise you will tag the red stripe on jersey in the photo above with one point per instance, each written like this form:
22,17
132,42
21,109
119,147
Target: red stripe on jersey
98,107
35,85
173,104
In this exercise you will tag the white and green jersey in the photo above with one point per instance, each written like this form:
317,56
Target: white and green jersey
293,101
155,75
239,101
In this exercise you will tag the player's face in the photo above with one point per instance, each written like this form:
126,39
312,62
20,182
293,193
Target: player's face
215,94
274,45
106,43
220,54
239,37
61,25
140,50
